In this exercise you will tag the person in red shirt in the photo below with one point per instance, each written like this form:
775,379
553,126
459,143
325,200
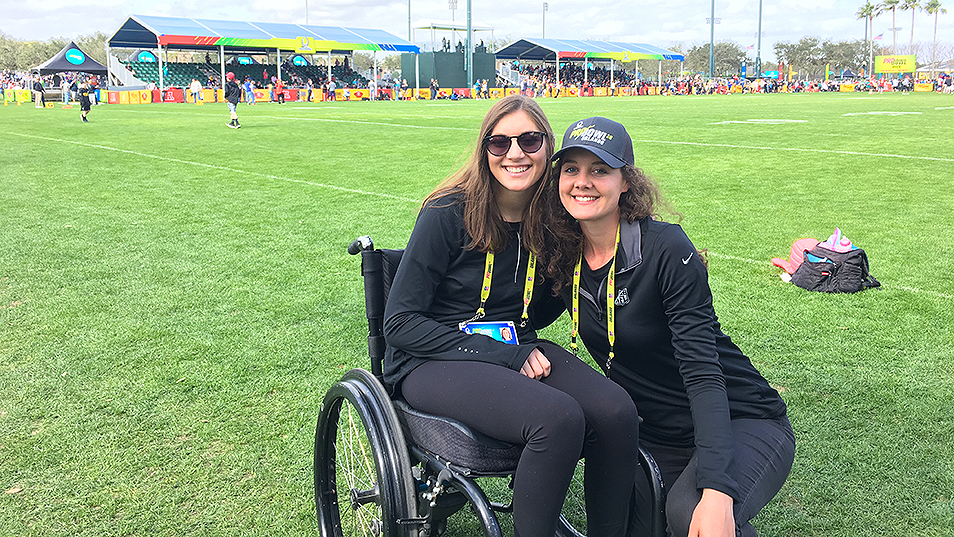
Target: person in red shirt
280,91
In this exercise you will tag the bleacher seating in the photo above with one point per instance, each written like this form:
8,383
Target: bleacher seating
181,74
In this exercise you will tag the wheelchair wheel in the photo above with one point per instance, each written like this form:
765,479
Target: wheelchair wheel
363,483
573,516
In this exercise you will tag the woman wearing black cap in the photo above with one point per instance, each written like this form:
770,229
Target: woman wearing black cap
638,294
459,324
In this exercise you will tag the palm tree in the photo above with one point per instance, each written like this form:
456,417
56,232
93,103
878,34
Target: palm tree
868,12
914,6
891,5
934,8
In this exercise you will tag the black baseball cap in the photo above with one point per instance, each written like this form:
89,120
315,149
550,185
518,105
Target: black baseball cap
603,137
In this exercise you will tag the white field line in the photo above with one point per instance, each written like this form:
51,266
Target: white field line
214,167
366,193
798,149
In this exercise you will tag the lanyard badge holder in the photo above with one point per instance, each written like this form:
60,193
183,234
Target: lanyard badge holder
610,305
503,331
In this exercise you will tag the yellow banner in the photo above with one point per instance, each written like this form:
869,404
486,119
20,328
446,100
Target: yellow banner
895,64
923,86
846,88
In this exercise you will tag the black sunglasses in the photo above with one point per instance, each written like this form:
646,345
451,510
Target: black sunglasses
529,142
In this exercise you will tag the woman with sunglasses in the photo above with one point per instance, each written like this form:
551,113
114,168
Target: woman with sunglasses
459,323
638,293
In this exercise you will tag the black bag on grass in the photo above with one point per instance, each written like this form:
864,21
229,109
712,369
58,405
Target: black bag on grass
828,271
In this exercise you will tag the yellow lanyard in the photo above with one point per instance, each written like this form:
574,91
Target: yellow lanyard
610,305
485,289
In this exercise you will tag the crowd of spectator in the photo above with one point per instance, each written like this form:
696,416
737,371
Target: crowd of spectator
535,80
64,85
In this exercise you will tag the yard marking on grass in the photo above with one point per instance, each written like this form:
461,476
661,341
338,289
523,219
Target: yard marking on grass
468,129
797,149
215,167
762,122
944,107
882,114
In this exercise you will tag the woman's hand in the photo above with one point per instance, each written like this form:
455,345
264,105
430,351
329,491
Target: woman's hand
537,366
713,517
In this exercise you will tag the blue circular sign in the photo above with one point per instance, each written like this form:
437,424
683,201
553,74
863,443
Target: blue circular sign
75,56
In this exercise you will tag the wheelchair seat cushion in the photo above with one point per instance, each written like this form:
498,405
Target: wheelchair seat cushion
456,443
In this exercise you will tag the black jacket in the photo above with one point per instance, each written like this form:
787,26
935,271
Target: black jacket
233,93
438,285
687,378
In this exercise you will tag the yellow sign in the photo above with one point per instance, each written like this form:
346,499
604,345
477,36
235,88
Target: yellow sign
305,45
895,64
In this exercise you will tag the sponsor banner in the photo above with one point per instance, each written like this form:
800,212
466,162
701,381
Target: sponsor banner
923,86
170,95
895,64
846,88
133,97
261,94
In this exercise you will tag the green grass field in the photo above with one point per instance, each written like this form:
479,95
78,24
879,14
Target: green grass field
175,296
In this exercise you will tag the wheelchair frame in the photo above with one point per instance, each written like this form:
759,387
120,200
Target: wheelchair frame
397,487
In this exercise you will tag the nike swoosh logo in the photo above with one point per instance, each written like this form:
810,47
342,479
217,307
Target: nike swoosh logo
686,260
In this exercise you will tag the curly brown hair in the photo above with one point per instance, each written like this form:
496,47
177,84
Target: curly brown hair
563,238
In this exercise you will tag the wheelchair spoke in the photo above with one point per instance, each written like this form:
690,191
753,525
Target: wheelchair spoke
358,494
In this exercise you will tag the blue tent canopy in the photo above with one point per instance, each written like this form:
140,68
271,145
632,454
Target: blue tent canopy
147,31
551,49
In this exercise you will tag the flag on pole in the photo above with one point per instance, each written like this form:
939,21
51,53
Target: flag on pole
750,47
879,36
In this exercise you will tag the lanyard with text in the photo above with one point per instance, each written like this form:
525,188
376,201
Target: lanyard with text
610,305
485,289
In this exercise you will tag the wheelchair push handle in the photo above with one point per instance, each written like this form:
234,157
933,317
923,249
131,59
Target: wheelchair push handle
363,242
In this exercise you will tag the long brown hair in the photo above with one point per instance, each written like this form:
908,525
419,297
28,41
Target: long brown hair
474,181
563,237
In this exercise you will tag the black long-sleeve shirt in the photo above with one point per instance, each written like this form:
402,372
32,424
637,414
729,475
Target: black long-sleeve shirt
438,284
687,378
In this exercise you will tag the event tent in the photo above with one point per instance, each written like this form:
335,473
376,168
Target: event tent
243,37
552,50
70,59
146,31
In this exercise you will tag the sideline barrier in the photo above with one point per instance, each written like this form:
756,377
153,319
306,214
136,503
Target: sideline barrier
846,88
173,95
133,97
922,86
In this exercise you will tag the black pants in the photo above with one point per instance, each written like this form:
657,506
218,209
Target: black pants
762,459
573,411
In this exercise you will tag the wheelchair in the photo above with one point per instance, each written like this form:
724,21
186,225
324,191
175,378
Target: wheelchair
385,469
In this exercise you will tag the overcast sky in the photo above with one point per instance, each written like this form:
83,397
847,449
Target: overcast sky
659,23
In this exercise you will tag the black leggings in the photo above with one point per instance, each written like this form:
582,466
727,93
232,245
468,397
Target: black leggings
761,461
573,411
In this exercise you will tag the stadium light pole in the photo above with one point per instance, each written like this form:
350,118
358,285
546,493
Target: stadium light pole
758,49
470,48
306,12
545,6
711,38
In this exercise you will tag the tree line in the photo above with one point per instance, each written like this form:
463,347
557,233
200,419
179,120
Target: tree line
18,55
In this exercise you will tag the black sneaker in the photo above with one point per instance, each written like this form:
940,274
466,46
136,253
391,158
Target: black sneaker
231,125
238,125
85,120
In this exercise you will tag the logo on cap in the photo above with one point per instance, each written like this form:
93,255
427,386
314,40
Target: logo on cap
589,133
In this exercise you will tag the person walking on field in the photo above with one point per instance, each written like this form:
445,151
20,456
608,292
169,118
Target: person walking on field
232,95
85,90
